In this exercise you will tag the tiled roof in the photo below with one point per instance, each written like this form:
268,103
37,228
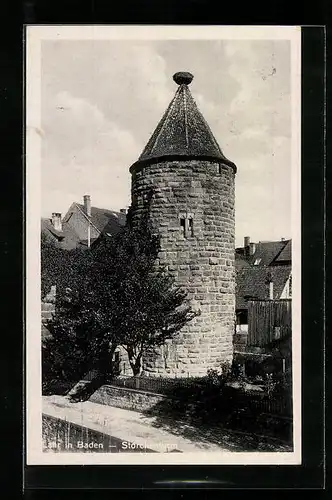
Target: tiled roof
241,262
66,239
252,282
106,221
286,253
182,131
267,251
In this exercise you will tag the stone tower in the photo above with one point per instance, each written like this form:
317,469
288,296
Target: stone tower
193,208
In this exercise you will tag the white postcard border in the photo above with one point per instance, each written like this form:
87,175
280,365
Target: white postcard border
34,36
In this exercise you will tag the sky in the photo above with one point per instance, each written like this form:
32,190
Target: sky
101,101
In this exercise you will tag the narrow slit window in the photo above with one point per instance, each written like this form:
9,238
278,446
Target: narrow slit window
219,168
191,227
187,224
183,225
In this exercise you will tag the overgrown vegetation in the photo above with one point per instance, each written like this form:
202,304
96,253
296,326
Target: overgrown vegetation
57,265
214,401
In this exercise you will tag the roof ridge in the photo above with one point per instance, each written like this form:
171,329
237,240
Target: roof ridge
205,122
100,208
185,115
166,116
280,251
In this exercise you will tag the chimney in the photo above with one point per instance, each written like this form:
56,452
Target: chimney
246,244
271,290
252,248
56,221
87,204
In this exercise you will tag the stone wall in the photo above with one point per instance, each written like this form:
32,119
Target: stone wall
202,261
128,399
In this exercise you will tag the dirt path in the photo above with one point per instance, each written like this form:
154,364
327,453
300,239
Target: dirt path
147,433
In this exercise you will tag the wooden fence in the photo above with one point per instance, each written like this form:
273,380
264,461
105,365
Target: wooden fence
268,320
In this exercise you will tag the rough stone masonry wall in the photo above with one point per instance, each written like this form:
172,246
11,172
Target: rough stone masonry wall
128,399
202,264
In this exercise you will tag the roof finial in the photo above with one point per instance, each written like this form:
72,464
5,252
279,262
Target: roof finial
183,78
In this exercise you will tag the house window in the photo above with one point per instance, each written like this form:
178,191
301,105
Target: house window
257,262
242,321
242,317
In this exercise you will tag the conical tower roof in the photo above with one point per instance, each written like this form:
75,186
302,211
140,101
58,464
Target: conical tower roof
182,131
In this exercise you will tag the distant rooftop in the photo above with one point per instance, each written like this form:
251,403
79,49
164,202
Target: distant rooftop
267,253
253,283
106,221
258,263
